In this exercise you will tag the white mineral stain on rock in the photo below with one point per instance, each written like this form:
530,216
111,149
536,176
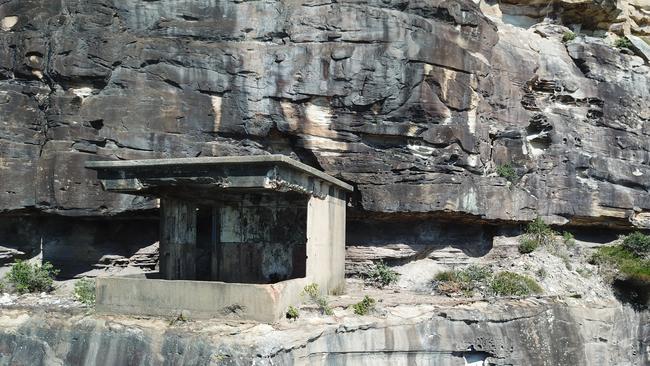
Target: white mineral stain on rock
473,160
471,121
419,150
290,115
469,202
318,115
37,73
637,172
216,109
317,142
8,22
82,92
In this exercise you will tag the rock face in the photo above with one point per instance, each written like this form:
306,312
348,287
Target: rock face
532,332
416,103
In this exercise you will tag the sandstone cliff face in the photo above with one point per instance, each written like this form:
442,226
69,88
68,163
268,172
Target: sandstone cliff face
533,332
416,103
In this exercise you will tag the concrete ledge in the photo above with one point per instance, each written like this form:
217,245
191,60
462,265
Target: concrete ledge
250,160
201,299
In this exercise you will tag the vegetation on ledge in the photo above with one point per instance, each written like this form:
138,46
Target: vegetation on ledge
630,260
477,279
365,306
382,275
25,277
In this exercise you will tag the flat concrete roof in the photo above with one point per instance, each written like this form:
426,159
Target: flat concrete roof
217,162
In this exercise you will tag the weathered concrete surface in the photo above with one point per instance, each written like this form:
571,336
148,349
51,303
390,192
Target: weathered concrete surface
197,299
508,332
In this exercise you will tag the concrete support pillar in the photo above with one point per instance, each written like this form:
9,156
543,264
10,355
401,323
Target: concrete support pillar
326,242
215,245
177,239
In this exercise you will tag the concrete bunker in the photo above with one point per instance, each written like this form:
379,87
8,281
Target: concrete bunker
239,234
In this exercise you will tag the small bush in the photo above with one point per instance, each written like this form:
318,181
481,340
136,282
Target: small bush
25,277
628,264
84,291
513,284
527,245
541,273
382,275
508,172
623,42
569,240
465,281
292,313
364,306
537,234
568,36
313,292
637,244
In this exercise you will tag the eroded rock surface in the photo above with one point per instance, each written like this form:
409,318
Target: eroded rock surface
531,332
416,103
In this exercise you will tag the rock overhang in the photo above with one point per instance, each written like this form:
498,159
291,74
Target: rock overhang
199,175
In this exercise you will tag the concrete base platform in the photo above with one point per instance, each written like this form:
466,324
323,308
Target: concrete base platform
197,299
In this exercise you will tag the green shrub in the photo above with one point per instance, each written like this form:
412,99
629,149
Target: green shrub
84,291
569,239
637,244
313,292
364,306
477,278
537,234
623,42
465,281
568,36
513,284
25,277
527,245
292,313
508,172
382,275
627,263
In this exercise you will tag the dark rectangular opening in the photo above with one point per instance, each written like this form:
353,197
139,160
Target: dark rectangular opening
252,238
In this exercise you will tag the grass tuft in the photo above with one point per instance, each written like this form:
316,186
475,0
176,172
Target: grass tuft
623,42
568,36
538,234
508,172
382,275
292,313
313,292
627,263
513,284
365,306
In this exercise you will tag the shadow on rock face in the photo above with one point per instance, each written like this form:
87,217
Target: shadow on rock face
636,293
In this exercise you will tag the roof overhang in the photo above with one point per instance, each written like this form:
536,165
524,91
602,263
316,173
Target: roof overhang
155,177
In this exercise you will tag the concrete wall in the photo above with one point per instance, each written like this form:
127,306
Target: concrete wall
197,299
262,238
325,261
326,242
177,239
